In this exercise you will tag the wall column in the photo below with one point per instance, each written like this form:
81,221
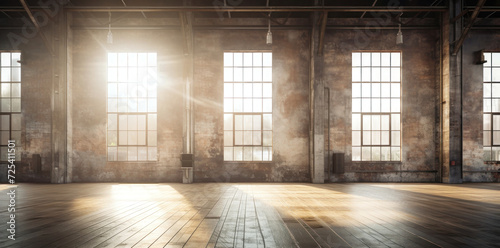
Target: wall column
317,105
451,98
59,100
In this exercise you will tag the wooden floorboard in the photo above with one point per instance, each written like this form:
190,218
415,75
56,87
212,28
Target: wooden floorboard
253,215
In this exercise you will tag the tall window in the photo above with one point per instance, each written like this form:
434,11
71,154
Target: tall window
376,106
491,107
10,102
132,110
248,107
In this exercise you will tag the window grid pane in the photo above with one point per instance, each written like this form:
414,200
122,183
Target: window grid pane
10,103
491,107
132,106
376,106
248,106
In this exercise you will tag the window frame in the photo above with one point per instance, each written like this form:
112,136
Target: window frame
128,129
358,98
119,113
245,130
491,147
371,129
265,108
10,113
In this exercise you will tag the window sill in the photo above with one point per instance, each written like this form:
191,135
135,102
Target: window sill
135,162
248,162
377,162
491,162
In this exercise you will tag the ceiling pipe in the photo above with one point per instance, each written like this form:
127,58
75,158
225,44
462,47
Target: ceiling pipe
237,9
37,26
218,27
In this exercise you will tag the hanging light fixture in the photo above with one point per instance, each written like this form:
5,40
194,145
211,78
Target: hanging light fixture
110,35
269,37
399,36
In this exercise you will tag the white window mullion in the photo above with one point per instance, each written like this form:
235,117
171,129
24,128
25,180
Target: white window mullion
132,107
247,106
376,106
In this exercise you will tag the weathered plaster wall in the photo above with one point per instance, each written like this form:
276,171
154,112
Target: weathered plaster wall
290,106
89,105
420,108
36,89
474,167
419,162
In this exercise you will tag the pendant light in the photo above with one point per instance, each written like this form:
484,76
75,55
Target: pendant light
269,37
399,36
110,35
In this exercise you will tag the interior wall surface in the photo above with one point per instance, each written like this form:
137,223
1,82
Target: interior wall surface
419,103
475,168
291,110
36,104
89,105
290,51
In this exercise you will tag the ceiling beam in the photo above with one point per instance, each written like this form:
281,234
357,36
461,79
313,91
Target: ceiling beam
432,4
263,9
37,26
142,12
10,17
245,27
238,9
229,12
465,31
465,11
364,13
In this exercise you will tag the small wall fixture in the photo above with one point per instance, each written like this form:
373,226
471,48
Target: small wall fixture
269,37
110,35
479,57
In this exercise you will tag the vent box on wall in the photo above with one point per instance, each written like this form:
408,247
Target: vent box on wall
479,57
187,160
338,163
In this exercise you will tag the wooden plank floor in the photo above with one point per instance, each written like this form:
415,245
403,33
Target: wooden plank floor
253,215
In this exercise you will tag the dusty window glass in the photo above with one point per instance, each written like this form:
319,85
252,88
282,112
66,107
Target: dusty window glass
491,107
10,103
248,106
376,106
132,107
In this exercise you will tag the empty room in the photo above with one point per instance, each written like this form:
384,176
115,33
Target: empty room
249,123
